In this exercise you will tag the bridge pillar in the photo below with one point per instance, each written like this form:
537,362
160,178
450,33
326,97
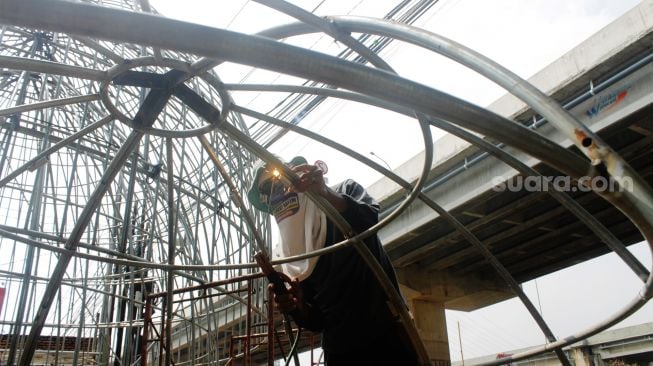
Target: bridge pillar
580,356
429,293
432,327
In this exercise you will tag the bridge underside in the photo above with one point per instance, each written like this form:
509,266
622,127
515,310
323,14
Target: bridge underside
530,232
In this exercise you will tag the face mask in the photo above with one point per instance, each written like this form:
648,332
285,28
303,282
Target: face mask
302,227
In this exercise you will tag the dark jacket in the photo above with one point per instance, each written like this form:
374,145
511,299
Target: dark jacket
350,307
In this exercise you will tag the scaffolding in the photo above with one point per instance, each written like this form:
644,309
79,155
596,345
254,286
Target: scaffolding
124,234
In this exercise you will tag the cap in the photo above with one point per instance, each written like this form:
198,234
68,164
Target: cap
255,197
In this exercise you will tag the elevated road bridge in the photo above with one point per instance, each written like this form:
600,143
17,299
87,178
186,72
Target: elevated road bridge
607,83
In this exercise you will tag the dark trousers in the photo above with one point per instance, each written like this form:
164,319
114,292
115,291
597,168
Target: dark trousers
388,349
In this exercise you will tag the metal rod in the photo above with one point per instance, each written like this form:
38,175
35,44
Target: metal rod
49,104
172,224
115,24
29,260
270,333
209,285
48,67
144,338
248,325
328,27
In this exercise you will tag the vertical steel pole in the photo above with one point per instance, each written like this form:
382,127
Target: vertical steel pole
270,327
146,323
171,250
30,251
248,323
162,332
120,356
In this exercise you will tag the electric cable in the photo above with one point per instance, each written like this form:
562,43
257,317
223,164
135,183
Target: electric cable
293,350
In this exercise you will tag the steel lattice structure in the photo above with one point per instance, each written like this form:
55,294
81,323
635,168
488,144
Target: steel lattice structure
124,161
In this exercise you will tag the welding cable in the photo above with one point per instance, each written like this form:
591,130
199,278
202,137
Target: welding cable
293,349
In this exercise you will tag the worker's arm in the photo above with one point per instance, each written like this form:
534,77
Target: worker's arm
361,209
354,203
311,179
305,314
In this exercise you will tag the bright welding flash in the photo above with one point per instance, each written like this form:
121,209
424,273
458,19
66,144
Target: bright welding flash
276,173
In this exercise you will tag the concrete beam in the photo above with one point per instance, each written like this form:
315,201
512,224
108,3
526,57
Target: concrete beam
463,293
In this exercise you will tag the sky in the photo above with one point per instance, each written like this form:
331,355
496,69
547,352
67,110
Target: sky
523,36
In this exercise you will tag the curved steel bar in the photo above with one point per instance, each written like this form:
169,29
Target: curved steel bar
323,24
586,140
71,244
42,157
353,238
49,104
114,24
638,207
49,67
172,238
637,204
329,27
596,226
100,49
128,262
597,150
640,300
225,97
69,282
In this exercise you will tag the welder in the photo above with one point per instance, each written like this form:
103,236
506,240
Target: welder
335,294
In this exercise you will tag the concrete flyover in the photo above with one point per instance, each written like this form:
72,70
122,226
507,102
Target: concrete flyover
605,82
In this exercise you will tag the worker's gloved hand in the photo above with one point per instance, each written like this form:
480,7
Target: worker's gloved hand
311,178
292,300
